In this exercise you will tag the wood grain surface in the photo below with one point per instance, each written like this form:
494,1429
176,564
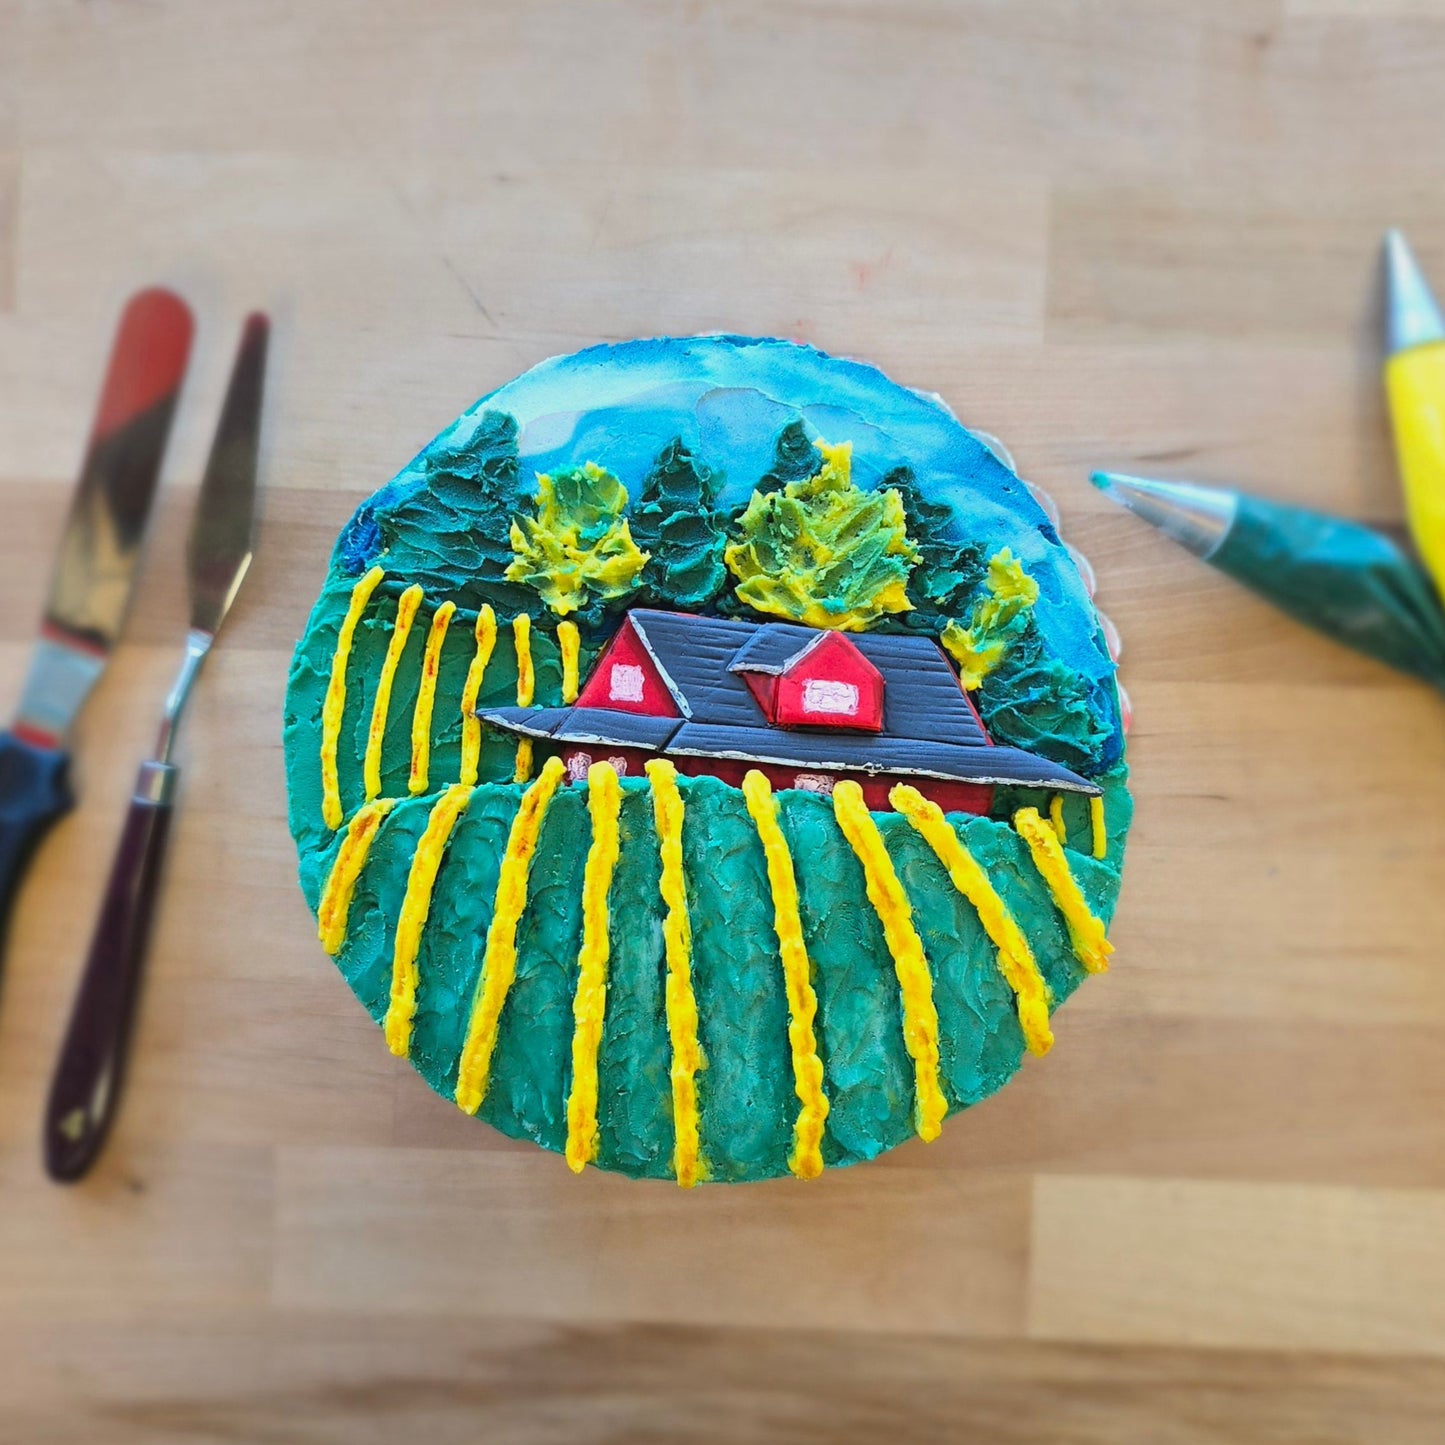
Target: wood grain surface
1137,235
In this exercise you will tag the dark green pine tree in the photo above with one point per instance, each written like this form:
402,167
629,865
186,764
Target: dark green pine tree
1030,700
452,516
948,572
676,523
1042,705
794,458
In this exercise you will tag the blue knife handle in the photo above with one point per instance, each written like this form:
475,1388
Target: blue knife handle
34,792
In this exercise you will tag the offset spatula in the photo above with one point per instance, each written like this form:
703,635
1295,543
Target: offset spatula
86,1088
91,586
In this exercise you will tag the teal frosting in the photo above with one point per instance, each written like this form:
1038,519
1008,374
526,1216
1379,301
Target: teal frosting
746,1096
1041,705
675,524
680,448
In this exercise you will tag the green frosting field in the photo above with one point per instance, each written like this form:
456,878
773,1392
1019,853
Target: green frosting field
746,1099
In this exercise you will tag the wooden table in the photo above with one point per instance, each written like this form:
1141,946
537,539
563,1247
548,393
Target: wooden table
1137,235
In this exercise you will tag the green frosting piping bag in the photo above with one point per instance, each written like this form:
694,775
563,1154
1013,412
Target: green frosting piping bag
1341,578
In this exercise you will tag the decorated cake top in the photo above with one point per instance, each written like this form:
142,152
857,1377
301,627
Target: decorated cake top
717,633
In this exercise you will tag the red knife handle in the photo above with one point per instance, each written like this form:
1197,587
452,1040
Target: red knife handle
85,1091
34,792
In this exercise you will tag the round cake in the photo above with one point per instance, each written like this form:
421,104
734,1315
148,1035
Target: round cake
705,760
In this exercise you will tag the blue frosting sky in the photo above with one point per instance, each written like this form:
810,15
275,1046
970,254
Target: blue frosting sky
728,397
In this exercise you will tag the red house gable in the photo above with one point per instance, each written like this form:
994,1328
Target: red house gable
832,685
626,679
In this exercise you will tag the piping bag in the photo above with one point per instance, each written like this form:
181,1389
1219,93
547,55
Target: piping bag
1341,578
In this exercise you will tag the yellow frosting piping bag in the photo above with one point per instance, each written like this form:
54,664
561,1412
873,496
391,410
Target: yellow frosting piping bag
1415,389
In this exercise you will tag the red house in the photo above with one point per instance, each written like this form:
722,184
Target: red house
719,696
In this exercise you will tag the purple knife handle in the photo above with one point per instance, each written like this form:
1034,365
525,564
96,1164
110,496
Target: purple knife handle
85,1091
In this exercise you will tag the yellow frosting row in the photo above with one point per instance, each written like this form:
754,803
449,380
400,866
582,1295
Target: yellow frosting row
681,1002
1098,827
415,905
406,606
486,636
1015,957
589,1002
806,1160
499,960
335,704
569,643
915,982
346,868
1098,831
426,698
1086,933
526,687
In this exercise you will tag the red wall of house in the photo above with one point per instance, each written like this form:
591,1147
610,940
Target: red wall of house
834,660
626,650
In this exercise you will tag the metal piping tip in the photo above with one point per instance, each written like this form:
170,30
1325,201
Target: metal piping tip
1198,518
1412,315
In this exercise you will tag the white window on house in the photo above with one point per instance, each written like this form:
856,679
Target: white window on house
577,766
619,766
626,682
826,695
814,783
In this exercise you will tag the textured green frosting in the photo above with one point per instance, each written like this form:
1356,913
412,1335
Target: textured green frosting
675,524
443,523
746,1099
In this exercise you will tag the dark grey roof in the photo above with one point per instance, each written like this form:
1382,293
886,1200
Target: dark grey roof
692,653
874,753
929,728
585,725
775,647
922,696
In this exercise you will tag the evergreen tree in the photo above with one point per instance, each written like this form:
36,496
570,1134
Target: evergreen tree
948,572
675,523
1042,705
794,460
449,514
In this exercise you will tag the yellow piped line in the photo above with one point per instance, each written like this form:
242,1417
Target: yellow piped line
486,635
415,905
915,981
569,642
1015,957
1086,933
426,698
681,1001
335,704
526,688
589,1002
346,868
1056,817
499,960
406,606
806,1160
522,769
1099,827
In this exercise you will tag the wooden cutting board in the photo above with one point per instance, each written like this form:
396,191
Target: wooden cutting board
1140,236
